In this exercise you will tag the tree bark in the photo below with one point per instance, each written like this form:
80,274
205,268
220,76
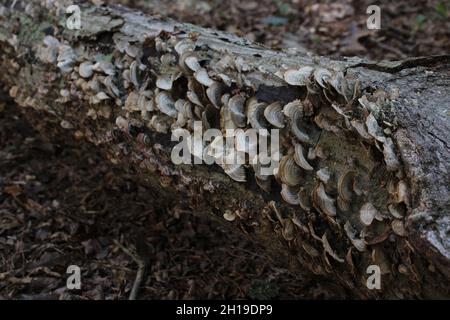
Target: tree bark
376,134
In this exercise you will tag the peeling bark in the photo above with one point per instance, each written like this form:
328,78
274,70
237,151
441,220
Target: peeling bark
376,134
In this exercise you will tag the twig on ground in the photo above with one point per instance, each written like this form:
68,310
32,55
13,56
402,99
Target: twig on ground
140,275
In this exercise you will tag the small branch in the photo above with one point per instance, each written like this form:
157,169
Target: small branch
140,275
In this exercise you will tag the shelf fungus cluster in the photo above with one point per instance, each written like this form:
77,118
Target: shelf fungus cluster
336,162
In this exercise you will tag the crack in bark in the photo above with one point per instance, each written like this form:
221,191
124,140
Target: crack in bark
397,66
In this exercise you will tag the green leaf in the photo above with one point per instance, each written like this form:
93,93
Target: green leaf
316,39
442,9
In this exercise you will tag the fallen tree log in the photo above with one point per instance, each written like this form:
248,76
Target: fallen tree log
364,173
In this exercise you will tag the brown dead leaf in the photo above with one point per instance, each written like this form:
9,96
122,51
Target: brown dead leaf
9,223
34,206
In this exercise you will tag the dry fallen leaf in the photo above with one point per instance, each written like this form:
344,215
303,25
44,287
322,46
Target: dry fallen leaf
13,190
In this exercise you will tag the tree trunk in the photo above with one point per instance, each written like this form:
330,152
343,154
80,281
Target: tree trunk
365,169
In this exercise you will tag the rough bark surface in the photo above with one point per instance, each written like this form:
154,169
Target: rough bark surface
377,192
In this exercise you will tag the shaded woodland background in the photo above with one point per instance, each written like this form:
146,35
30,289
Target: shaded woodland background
62,205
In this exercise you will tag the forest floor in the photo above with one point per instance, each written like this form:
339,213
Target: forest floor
62,205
